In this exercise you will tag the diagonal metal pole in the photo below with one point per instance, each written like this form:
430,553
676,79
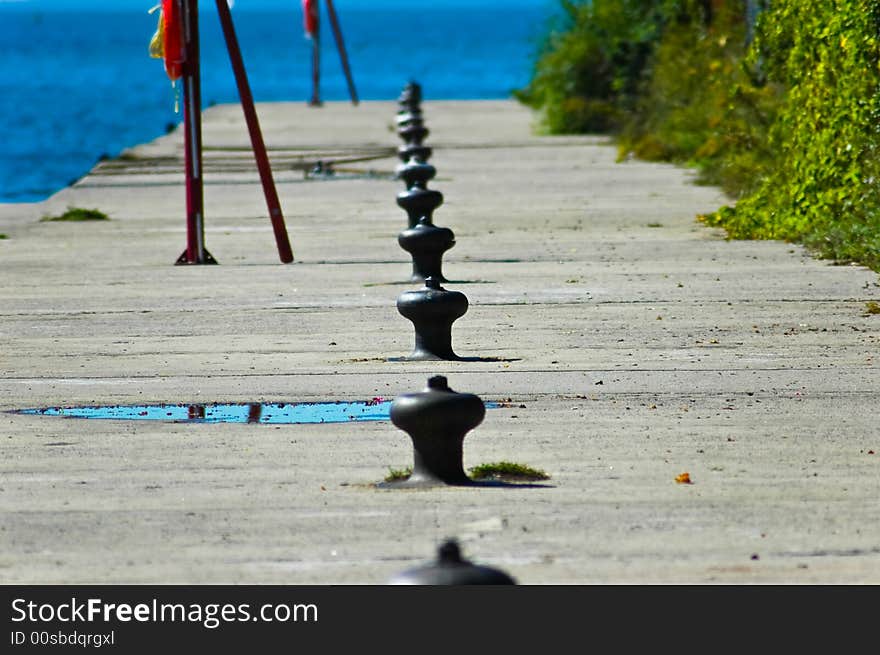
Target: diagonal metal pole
340,46
316,55
257,144
195,252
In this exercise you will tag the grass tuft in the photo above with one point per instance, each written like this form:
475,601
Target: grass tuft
78,214
507,471
499,471
398,475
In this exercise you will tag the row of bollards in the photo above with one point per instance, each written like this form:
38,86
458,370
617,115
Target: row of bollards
431,309
437,418
424,241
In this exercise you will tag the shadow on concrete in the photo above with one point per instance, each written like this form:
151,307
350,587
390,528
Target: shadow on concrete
483,484
457,359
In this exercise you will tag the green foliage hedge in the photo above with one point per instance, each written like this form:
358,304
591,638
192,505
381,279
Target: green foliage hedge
591,64
786,120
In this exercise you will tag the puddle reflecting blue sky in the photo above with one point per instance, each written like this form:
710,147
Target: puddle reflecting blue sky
321,412
327,412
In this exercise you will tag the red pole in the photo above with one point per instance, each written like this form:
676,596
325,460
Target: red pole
259,148
340,46
195,252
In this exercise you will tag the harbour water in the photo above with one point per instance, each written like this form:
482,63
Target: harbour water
79,85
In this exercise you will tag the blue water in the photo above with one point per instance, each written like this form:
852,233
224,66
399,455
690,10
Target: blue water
80,85
286,413
330,412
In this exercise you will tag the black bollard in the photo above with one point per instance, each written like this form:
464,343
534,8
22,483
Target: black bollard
418,201
414,135
426,243
415,174
411,126
451,568
414,151
437,420
432,310
407,114
411,95
413,131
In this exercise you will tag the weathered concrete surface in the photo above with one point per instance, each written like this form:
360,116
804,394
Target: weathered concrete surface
632,343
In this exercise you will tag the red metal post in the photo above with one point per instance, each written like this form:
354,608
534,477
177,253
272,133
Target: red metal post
340,46
259,148
195,252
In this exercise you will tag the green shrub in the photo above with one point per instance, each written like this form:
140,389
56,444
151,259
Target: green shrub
589,67
822,188
788,124
701,106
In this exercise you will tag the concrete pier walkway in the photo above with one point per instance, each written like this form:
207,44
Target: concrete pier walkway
628,344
